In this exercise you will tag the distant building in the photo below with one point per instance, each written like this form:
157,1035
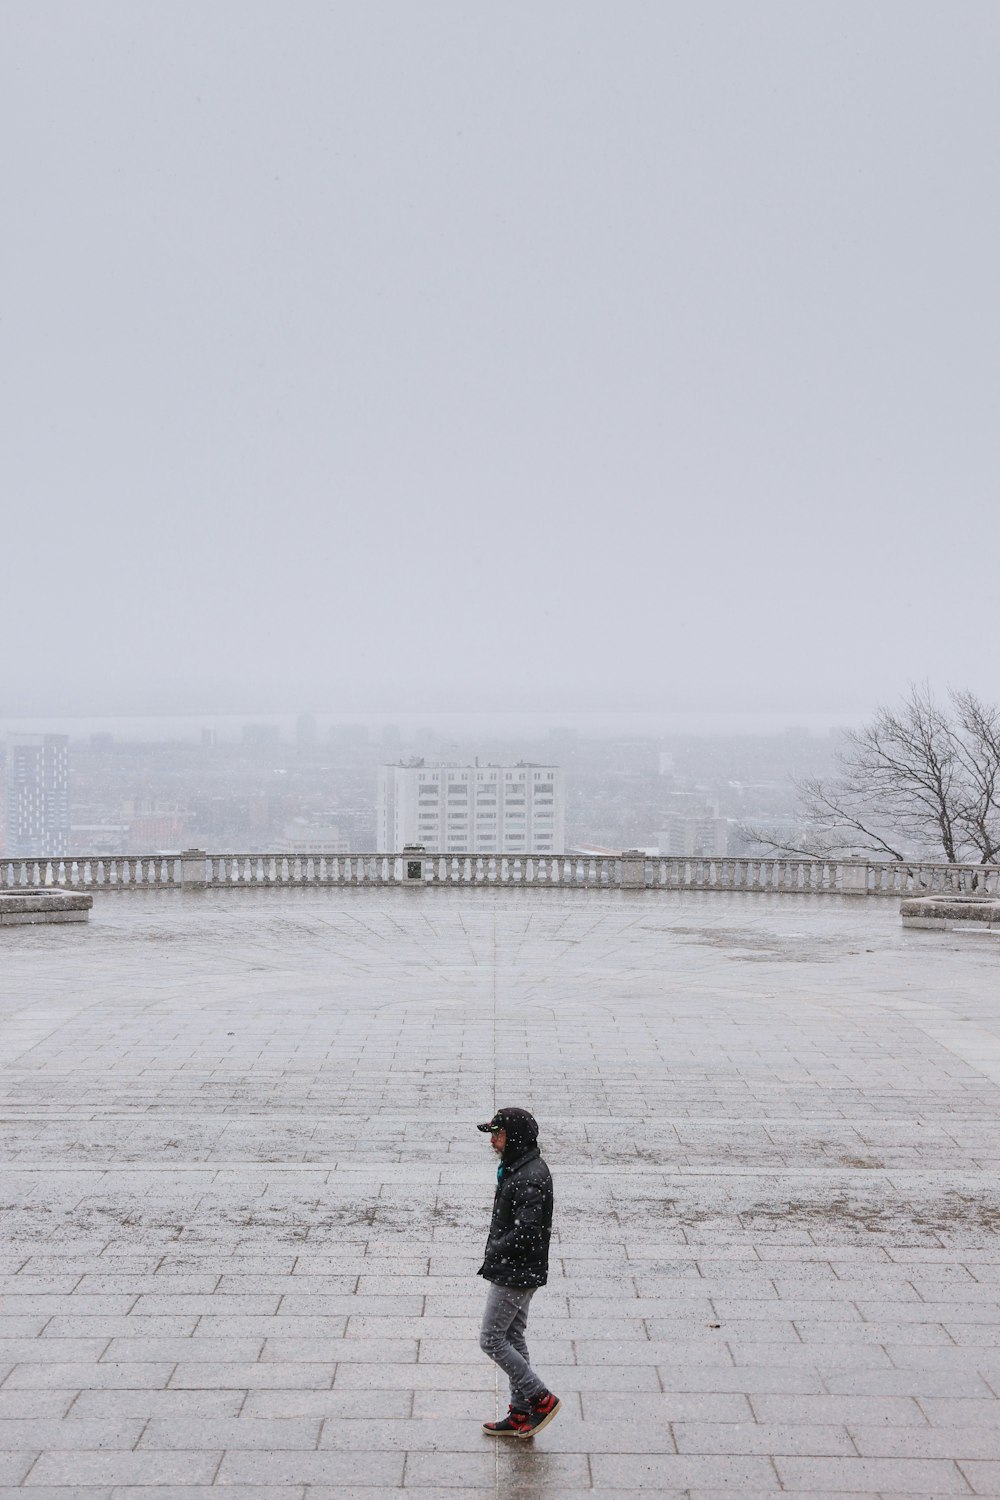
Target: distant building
37,795
471,809
306,732
260,736
99,838
153,825
695,833
302,837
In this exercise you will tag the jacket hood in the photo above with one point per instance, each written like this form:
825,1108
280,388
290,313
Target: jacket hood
522,1133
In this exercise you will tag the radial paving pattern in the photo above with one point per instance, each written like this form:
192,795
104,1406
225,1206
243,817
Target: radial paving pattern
244,1202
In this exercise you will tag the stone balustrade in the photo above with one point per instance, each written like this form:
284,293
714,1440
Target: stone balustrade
197,870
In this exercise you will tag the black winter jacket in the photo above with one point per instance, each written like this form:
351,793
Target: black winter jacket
517,1247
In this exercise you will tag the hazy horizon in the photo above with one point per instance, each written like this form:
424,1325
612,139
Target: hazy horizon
512,727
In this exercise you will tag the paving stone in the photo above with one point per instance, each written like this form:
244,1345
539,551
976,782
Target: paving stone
132,1376
116,1468
223,1326
58,1492
927,1442
14,1466
201,1492
950,1411
335,1405
232,1433
145,1403
131,1327
912,1382
681,1471
407,1377
740,1378
50,1351
412,1435
819,1354
183,1304
916,1476
983,1477
709,1350
666,1406
35,1404
251,1376
77,1432
443,1470
375,1470
897,1411
626,1434
133,1350
535,1472
763,1437
50,1305
458,1491
698,1493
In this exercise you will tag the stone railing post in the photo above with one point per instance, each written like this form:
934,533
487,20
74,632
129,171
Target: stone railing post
413,864
633,870
193,869
854,878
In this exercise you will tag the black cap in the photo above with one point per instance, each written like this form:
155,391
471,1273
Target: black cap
495,1124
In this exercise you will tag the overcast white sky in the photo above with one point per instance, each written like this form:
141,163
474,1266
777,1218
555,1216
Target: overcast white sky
552,355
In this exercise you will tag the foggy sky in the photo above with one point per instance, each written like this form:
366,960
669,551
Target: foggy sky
550,355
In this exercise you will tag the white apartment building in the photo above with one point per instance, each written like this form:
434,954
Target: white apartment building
471,809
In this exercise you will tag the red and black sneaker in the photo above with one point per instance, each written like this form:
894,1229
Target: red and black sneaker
542,1411
514,1424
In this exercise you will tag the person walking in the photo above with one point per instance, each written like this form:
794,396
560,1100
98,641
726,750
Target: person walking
516,1265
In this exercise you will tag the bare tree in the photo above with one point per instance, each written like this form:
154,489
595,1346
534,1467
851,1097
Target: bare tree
979,752
920,779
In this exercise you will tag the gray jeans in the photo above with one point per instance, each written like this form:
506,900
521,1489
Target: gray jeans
501,1336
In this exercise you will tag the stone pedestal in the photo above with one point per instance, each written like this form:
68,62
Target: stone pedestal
952,913
41,906
633,870
193,870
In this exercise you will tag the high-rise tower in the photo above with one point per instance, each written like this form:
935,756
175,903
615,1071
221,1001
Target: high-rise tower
37,808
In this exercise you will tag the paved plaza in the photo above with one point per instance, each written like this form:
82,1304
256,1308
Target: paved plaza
244,1201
